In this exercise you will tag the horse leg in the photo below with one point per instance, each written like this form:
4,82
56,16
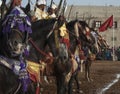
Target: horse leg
32,88
87,70
76,29
46,79
70,85
77,83
81,65
61,85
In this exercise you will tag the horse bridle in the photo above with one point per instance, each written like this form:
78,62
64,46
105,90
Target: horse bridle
40,51
20,33
24,37
18,88
5,63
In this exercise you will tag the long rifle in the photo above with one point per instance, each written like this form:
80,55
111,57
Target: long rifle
64,7
35,5
3,8
59,8
70,12
57,14
51,3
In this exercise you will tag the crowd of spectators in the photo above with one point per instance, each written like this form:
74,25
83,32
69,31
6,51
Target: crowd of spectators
109,54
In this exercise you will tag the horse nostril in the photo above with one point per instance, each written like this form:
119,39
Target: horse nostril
22,48
64,57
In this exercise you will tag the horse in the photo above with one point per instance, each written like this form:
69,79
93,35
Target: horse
46,36
12,63
79,40
11,47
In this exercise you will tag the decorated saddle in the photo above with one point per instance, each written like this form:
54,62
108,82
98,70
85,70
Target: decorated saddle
19,68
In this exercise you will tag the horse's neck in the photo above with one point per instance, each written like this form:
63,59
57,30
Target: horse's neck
41,35
5,53
3,50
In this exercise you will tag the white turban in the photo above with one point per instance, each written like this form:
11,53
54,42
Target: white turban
0,2
40,2
54,6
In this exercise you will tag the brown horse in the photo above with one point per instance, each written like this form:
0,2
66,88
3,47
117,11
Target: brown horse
81,44
44,37
12,47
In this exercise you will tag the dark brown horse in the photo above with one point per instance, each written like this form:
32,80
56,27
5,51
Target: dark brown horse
12,64
43,37
81,38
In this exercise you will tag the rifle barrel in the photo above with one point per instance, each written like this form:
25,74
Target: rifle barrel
70,12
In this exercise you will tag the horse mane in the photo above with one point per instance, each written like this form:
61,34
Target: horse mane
41,27
70,25
43,23
84,24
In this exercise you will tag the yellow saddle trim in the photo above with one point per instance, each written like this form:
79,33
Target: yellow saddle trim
63,30
35,68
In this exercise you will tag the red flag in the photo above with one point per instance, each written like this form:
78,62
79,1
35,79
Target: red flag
107,24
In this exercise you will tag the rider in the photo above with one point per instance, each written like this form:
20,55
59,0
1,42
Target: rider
40,12
0,8
17,17
64,32
32,16
52,11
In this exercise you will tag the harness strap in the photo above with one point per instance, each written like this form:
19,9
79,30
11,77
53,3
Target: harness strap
52,29
56,39
40,51
3,62
17,88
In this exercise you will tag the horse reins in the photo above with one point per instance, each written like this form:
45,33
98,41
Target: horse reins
18,88
38,49
17,32
5,63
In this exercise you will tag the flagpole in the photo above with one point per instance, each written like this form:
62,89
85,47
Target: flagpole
113,50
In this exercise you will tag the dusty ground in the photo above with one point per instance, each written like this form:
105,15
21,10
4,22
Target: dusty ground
103,73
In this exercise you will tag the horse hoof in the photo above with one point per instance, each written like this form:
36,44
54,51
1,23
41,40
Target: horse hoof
73,84
50,81
91,80
80,82
42,89
81,71
74,90
80,92
46,80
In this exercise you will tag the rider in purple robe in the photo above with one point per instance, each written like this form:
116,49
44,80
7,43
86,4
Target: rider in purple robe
17,18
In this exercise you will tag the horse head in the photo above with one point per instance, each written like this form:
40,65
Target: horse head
46,35
63,52
79,32
12,45
14,42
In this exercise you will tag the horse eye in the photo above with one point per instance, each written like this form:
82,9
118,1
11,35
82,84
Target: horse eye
15,43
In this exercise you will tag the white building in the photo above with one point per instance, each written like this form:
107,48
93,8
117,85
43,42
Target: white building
95,16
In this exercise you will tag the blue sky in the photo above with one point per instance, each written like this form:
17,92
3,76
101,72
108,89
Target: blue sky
84,2
93,2
81,2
